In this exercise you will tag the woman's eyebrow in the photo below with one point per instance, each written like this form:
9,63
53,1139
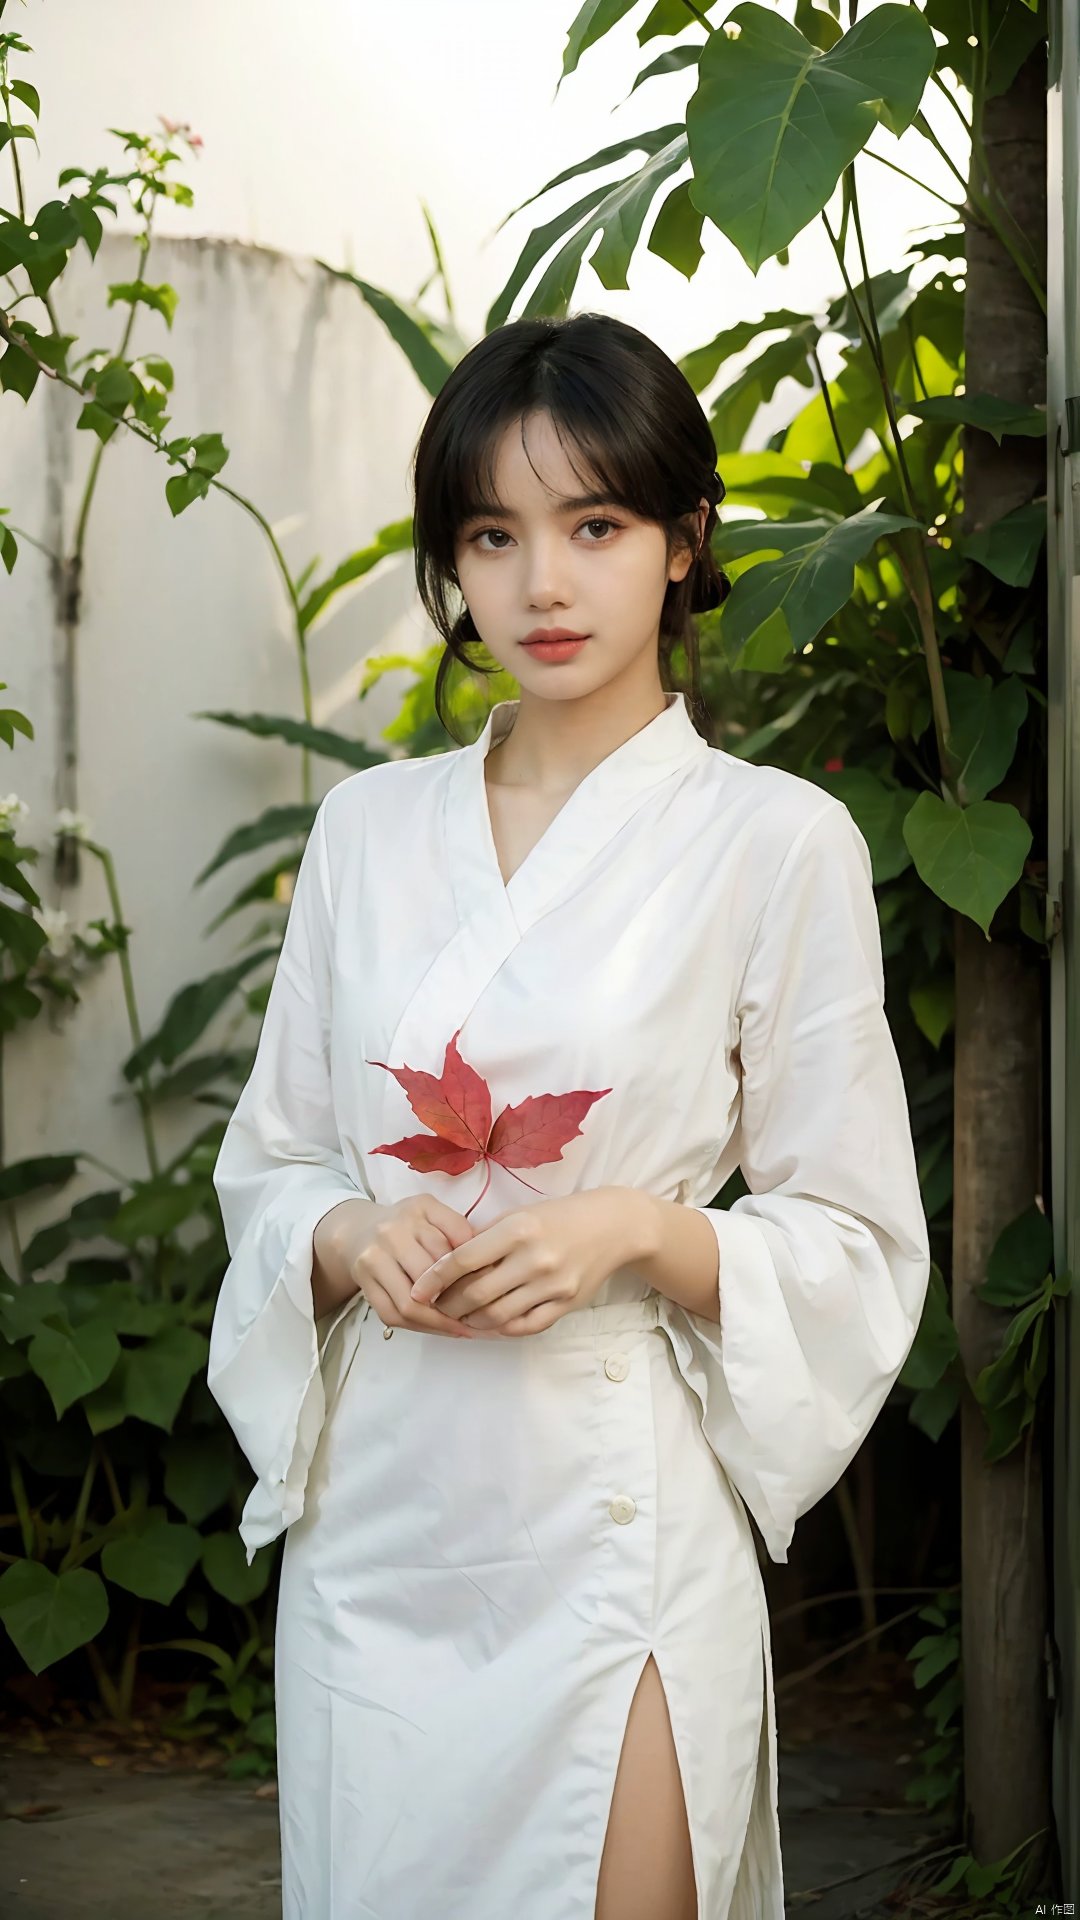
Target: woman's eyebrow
562,505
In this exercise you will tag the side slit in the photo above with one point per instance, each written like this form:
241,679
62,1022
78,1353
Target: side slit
624,1889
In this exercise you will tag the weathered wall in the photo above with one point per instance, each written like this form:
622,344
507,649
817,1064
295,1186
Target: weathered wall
320,413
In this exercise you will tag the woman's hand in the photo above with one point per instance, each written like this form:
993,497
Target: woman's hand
528,1267
385,1258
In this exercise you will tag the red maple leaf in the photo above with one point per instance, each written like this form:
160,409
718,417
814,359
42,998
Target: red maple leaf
457,1108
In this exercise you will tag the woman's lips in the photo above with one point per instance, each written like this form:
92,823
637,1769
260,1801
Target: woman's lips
553,650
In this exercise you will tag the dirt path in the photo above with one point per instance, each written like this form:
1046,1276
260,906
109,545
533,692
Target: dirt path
84,1844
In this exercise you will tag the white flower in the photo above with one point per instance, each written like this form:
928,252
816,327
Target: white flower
57,927
11,810
78,825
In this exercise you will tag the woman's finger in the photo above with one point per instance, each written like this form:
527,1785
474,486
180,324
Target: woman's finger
396,1308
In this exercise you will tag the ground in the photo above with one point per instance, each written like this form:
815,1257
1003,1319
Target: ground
108,1826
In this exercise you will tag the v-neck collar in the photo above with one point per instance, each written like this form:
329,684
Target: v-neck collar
603,800
495,915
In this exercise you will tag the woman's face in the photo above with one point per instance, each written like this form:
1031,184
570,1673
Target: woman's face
594,569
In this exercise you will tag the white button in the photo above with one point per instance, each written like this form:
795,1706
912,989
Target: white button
622,1508
616,1366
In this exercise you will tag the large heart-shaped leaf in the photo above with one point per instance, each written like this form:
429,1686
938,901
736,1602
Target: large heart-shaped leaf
49,1614
72,1361
152,1560
158,1374
969,856
225,1565
985,717
774,121
199,1471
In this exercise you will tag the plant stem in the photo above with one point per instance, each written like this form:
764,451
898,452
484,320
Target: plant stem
143,1092
918,576
823,387
110,1698
81,1506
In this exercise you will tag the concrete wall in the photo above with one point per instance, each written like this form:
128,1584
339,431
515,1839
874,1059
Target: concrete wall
320,413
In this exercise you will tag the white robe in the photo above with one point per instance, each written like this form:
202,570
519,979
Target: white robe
487,1538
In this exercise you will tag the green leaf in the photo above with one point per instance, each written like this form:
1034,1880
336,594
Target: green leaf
21,934
969,856
702,364
932,1408
153,1560
879,811
275,824
618,218
600,206
157,1207
29,96
422,341
985,719
88,1218
73,1361
199,1472
198,1073
26,1307
1009,548
590,24
49,1614
9,553
395,537
159,1372
990,65
225,1566
936,1344
933,1007
98,421
158,369
21,1177
299,733
186,487
775,607
676,232
774,122
163,299
1020,1259
675,61
985,410
18,374
190,1012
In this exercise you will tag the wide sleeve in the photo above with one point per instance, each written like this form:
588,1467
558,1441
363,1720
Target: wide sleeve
824,1264
279,1170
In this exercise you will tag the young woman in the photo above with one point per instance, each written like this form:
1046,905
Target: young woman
538,997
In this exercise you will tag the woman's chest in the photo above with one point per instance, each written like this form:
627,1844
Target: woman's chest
626,984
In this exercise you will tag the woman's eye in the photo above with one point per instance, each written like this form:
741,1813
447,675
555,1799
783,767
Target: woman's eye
500,533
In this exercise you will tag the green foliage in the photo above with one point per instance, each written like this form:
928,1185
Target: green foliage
871,643
936,1658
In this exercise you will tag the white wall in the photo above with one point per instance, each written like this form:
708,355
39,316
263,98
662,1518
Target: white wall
324,129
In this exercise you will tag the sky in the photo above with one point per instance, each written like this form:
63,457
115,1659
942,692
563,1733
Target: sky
328,127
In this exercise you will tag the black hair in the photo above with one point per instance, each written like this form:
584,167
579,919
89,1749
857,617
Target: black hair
636,420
